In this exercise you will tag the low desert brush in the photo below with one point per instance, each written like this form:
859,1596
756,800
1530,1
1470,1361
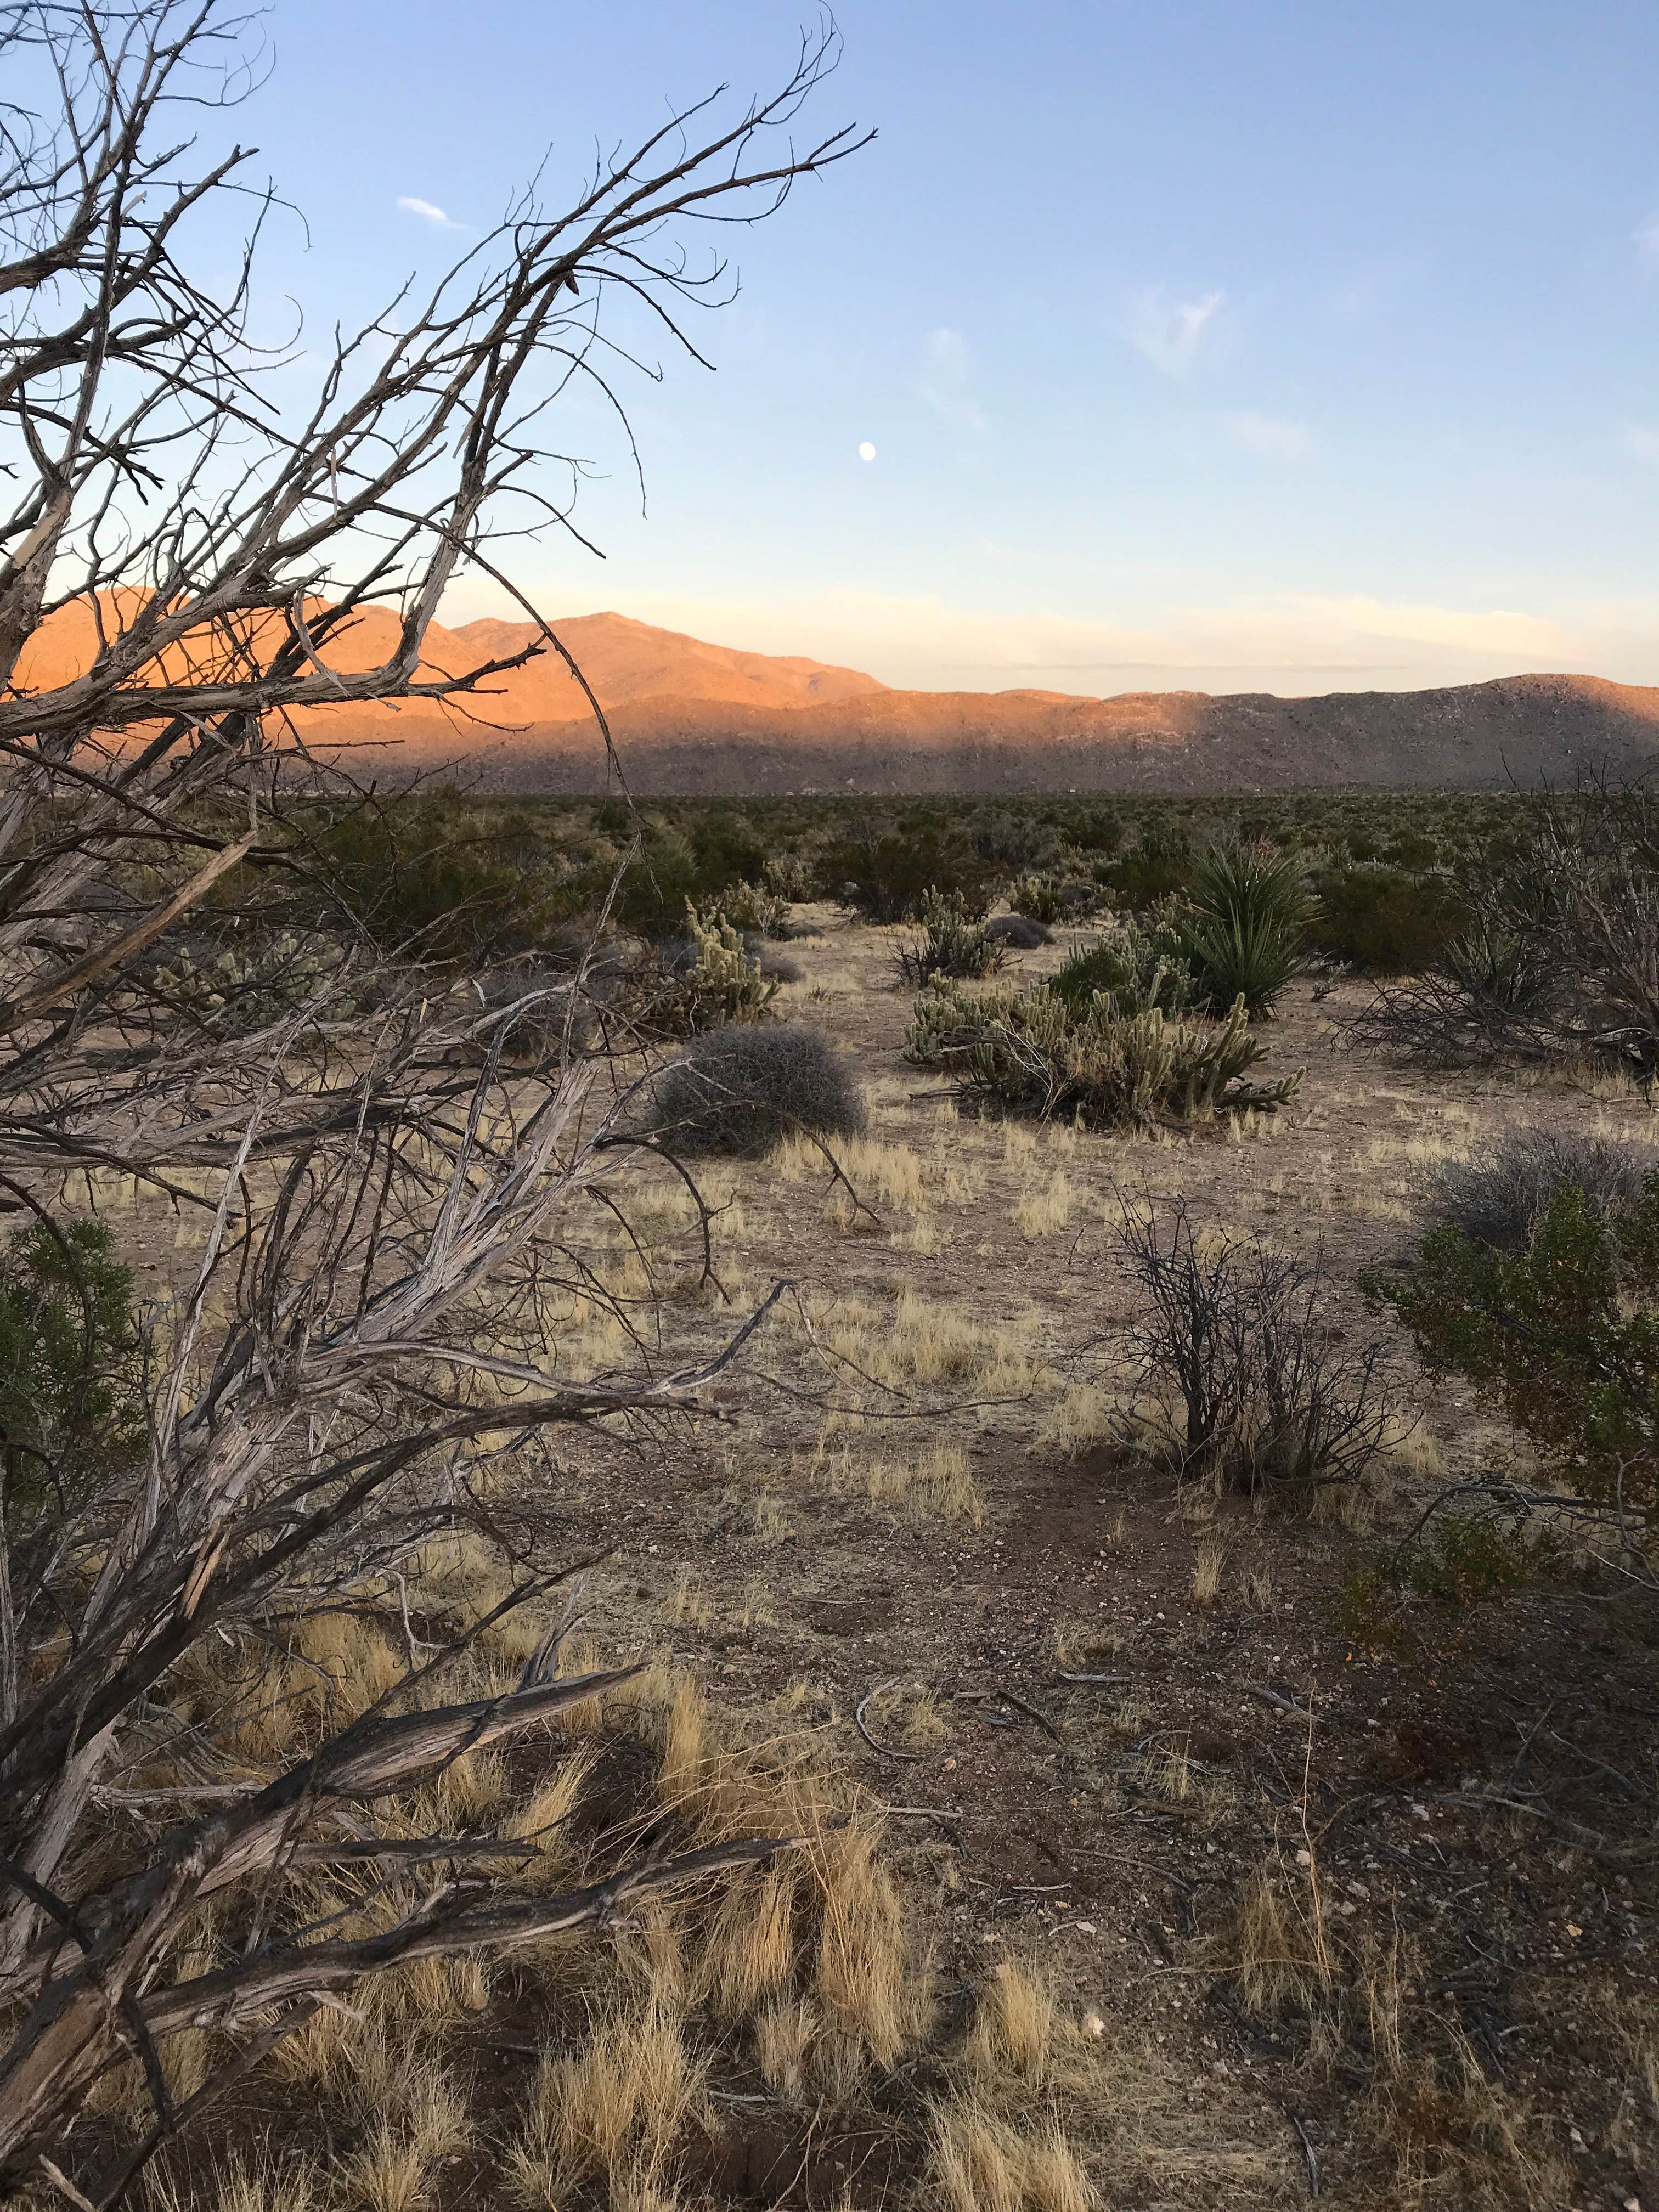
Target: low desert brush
1035,1053
744,1092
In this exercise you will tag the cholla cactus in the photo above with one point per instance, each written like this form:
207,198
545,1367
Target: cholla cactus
726,984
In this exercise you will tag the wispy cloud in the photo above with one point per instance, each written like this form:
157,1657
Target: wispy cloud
1645,238
428,212
1269,438
944,387
1172,333
1642,445
1290,642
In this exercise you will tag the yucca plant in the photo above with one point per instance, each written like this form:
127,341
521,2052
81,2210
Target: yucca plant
1243,928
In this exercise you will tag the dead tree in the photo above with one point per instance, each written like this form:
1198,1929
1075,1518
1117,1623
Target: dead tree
386,1188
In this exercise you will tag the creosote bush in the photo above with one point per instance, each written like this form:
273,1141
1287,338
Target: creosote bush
742,1091
1559,959
886,876
71,1378
1562,1337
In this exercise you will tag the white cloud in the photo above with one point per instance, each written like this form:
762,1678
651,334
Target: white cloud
427,213
1171,333
944,387
1642,444
1645,238
1269,438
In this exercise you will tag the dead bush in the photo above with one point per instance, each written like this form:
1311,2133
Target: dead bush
1238,1338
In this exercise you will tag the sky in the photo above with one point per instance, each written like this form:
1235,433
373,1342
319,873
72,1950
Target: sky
1220,346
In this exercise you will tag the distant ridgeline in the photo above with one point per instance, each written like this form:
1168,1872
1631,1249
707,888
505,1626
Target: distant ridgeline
703,721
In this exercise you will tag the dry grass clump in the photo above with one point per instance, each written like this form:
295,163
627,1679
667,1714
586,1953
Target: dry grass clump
1013,2029
937,1484
979,2162
1275,1948
1046,1212
618,2107
1207,1570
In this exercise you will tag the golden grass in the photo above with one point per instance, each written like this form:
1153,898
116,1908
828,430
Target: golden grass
864,1976
616,2108
1207,1570
1046,1212
980,2162
1013,2029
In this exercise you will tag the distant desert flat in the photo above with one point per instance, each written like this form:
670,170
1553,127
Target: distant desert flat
699,719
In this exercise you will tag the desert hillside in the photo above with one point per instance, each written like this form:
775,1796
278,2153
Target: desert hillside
704,720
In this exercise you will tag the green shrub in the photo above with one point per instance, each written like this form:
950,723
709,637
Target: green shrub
1462,1558
952,943
1158,865
1033,1054
70,1399
742,1091
1242,929
1563,1336
432,878
1136,967
1385,921
886,877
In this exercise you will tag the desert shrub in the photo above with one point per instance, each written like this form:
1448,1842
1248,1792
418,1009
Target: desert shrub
1563,1336
70,1381
1034,1054
1462,1558
742,1091
952,943
1017,932
1559,960
539,1009
1385,921
433,876
886,876
1158,866
237,989
755,909
1243,926
1495,1198
1237,1337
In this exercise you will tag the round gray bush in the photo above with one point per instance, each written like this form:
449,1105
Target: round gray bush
1496,1200
743,1090
1019,932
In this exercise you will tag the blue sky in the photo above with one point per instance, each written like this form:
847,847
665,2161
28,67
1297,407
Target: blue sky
1217,344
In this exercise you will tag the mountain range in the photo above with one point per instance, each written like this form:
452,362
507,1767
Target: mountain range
696,718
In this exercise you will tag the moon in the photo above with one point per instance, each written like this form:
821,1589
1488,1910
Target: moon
866,452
